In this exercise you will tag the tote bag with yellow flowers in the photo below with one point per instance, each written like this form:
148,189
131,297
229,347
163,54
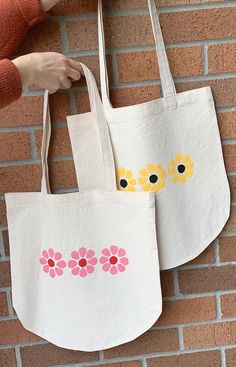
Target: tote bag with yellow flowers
170,146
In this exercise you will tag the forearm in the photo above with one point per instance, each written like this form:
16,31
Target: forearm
10,83
46,5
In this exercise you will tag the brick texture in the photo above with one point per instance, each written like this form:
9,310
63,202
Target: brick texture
47,355
7,358
197,326
210,335
203,359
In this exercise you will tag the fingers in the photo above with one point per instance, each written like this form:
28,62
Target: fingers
75,65
73,74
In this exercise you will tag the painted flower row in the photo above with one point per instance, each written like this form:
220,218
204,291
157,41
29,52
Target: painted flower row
83,261
153,176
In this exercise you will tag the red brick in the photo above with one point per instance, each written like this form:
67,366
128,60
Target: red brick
3,304
232,183
207,279
42,38
5,275
210,335
47,355
62,175
231,223
187,311
20,178
224,90
3,216
5,238
59,144
206,257
222,58
127,31
75,7
167,284
227,247
228,305
25,111
151,342
230,357
14,146
229,152
227,124
139,66
130,4
121,364
12,332
204,359
7,358
59,107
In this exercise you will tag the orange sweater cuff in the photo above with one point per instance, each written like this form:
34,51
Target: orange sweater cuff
10,83
31,11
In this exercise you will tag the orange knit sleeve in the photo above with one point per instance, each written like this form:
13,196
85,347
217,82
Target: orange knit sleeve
16,18
10,83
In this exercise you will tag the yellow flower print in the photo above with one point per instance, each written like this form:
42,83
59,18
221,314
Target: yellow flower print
126,181
152,178
181,168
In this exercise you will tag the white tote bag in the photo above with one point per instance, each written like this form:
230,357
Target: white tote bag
170,146
85,271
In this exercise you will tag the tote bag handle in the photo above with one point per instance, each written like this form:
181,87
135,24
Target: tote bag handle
167,83
99,117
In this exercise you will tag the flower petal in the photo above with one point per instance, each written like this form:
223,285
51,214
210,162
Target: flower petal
183,179
121,267
144,172
90,269
172,163
142,180
106,252
147,187
124,261
114,270
186,158
45,254
61,264
75,271
151,168
121,252
75,255
178,157
131,188
58,256
43,261
162,184
171,171
121,171
82,251
52,273
46,268
72,263
106,266
189,173
51,252
114,249
189,165
132,181
128,174
83,272
59,271
93,261
90,253
175,178
103,259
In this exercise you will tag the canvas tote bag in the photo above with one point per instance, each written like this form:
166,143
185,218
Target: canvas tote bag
170,146
85,272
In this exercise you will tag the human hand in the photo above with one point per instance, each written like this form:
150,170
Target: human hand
47,70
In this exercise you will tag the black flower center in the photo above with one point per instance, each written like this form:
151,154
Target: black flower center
181,168
153,179
123,183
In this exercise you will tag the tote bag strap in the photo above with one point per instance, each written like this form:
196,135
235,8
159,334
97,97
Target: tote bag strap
167,83
97,110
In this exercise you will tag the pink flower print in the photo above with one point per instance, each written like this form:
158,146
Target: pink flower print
114,259
52,262
82,262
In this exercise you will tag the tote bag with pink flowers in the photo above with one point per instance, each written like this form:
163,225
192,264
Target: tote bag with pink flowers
170,146
85,270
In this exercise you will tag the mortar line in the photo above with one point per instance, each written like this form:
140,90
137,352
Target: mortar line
181,338
9,304
218,308
2,249
205,58
222,357
18,357
64,39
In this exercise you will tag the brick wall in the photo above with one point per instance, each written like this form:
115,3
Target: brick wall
198,325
